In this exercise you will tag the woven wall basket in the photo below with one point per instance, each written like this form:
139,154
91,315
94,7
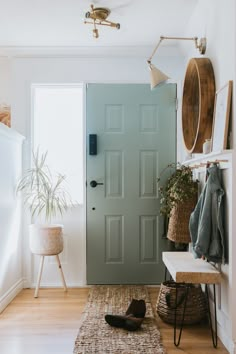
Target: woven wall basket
178,228
196,307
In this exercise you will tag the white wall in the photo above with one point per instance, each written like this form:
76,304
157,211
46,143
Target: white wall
5,82
11,257
26,71
215,19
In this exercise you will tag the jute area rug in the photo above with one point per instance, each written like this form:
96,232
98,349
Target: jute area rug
96,336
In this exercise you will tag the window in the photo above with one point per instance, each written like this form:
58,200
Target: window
58,129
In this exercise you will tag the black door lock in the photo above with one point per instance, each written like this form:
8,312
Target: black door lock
94,184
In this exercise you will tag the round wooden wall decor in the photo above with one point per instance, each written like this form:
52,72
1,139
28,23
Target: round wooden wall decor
198,103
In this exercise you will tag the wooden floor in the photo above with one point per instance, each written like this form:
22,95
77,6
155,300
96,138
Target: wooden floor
49,325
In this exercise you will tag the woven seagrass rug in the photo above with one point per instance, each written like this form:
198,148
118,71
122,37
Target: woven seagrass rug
96,336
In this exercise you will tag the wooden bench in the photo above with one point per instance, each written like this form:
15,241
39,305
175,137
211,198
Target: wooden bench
184,268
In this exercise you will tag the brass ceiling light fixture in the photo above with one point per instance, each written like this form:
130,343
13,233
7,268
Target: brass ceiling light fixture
158,76
98,16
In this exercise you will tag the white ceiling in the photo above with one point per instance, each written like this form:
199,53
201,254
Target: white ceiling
60,23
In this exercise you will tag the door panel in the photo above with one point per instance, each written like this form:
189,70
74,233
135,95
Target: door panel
136,139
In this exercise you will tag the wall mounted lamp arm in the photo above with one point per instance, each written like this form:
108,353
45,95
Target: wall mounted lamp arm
201,46
155,49
158,76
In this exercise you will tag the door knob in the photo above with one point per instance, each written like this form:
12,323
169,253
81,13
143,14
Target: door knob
94,184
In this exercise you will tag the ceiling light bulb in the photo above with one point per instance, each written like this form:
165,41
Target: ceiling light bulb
95,33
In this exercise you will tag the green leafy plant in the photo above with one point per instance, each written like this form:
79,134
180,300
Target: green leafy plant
43,193
178,188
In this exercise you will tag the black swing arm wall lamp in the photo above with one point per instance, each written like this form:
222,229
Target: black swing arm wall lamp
158,76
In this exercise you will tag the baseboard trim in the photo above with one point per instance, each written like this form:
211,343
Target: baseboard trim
71,285
229,344
226,340
10,294
59,285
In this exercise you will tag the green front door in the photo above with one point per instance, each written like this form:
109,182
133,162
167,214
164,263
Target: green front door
136,138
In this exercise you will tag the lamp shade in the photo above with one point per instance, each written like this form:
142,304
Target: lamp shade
157,76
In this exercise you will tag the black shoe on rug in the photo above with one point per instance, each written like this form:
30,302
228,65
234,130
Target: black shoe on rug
127,322
137,308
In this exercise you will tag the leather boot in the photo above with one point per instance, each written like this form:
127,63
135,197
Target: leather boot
127,322
133,317
137,308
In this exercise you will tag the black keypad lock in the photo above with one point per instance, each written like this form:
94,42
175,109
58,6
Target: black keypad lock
92,144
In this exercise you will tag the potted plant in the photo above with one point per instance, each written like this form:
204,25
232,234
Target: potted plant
178,198
44,196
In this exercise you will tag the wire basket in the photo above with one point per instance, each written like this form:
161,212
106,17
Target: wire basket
196,306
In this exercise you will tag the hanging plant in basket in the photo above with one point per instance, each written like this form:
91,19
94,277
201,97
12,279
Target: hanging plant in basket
178,198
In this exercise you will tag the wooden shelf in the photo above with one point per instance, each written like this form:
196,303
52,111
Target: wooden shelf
183,267
224,158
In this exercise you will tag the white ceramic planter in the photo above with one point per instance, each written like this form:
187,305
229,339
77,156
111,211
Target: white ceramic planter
46,240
